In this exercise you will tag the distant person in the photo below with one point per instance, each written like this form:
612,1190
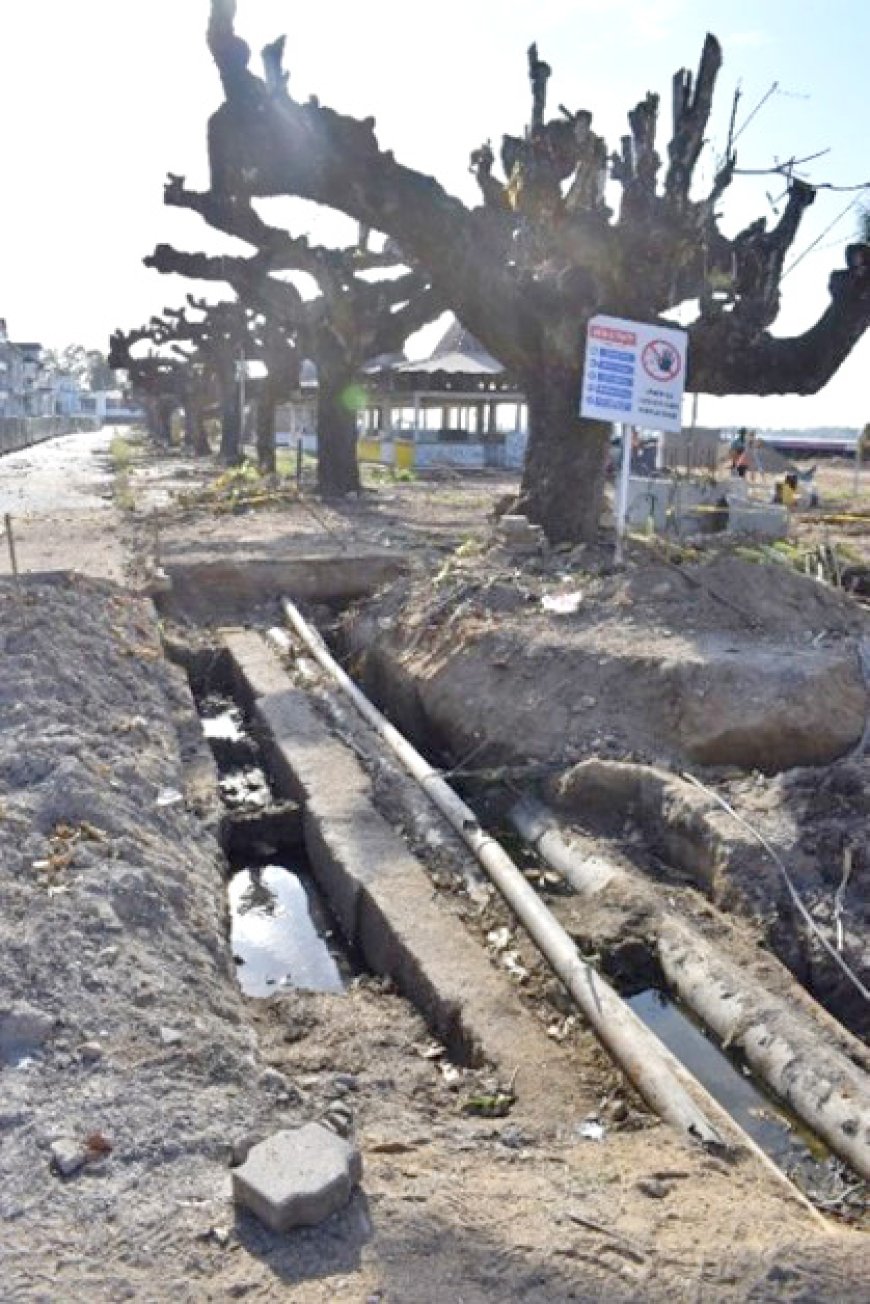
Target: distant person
790,491
738,448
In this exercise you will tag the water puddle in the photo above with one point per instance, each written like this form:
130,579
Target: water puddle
245,789
778,1133
225,726
280,934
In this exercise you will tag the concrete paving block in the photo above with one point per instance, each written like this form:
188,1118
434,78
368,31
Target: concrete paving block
298,1178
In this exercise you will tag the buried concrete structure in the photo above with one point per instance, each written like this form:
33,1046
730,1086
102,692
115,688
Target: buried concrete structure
298,1177
204,589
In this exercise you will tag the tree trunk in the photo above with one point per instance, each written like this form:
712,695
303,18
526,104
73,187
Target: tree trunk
231,422
201,445
266,430
337,466
163,433
192,424
151,422
196,440
563,477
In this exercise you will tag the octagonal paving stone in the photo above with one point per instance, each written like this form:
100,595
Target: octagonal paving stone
298,1177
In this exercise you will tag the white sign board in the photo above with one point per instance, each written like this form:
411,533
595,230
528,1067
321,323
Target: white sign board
635,373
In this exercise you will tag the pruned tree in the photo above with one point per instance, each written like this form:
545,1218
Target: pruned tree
158,382
199,388
349,321
526,270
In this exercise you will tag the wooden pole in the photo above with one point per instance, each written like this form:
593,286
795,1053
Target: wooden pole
785,1049
10,540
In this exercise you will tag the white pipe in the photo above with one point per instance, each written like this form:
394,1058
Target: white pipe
638,1051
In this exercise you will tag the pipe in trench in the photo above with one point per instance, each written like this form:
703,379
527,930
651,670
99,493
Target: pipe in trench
823,1088
647,1063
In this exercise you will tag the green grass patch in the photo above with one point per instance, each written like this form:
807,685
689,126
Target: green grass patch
121,453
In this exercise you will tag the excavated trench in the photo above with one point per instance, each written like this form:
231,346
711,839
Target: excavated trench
722,1071
282,933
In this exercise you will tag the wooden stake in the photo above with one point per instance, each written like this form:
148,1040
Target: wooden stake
10,539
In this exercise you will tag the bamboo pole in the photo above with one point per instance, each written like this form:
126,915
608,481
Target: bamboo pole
639,1053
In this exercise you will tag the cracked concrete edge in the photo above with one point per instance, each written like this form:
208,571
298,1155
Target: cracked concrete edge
383,897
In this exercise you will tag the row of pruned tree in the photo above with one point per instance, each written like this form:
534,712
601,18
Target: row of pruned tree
524,271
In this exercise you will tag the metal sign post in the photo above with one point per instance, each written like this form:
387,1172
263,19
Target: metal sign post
622,492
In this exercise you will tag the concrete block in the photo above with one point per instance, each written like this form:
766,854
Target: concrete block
202,588
298,1178
768,520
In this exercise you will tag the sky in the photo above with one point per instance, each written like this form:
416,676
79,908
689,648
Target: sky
101,98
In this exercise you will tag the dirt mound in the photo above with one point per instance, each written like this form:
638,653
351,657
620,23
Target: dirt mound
124,1053
776,598
730,663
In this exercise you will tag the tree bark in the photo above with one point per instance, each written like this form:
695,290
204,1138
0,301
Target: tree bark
337,465
563,477
231,424
266,406
195,436
165,408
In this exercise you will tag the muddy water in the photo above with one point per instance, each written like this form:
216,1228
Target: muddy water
278,935
281,934
800,1155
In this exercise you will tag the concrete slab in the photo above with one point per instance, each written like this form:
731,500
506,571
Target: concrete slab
298,1178
382,896
226,589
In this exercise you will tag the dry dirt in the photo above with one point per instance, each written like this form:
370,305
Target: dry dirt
125,1032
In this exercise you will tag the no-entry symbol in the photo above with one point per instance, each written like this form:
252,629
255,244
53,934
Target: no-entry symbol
661,361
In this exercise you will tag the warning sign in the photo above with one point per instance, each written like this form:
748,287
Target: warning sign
634,372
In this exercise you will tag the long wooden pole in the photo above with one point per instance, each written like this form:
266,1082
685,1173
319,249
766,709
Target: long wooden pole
786,1050
10,539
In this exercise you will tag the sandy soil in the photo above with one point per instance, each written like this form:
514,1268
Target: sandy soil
59,495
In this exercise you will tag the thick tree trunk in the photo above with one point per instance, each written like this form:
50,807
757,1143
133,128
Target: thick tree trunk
201,445
194,433
163,433
231,422
187,440
337,465
266,431
151,422
563,477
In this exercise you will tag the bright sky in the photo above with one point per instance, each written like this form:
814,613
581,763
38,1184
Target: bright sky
102,97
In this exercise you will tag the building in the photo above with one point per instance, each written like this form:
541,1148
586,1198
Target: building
458,407
13,388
